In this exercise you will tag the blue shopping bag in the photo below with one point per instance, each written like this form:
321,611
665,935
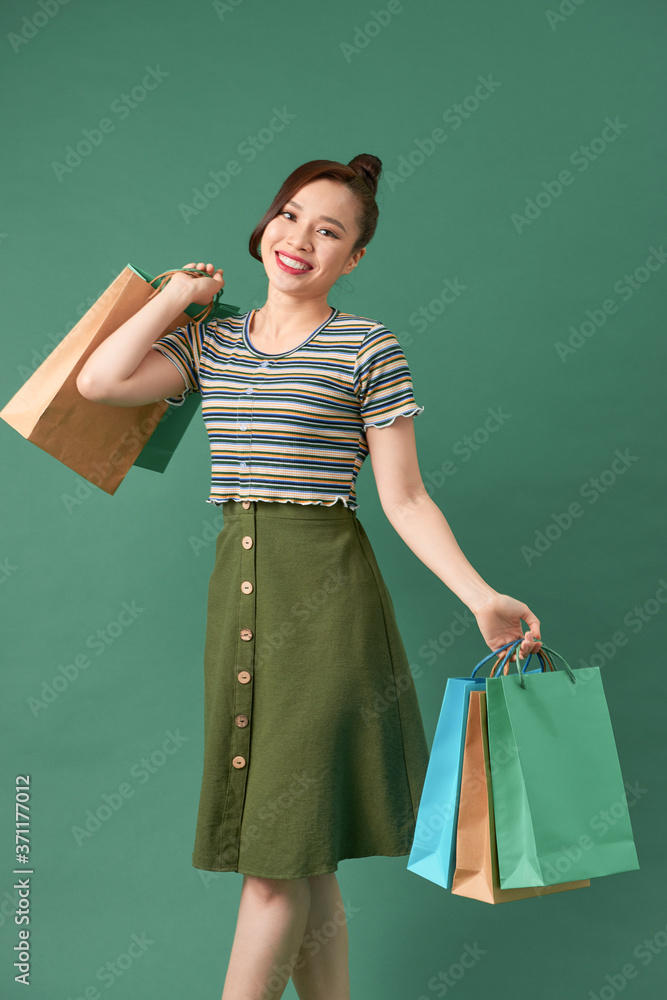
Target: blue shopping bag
433,853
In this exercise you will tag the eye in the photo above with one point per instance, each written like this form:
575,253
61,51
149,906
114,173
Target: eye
335,236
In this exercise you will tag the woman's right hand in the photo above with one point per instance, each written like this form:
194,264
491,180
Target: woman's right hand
200,288
499,619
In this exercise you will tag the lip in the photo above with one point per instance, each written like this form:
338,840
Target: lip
292,270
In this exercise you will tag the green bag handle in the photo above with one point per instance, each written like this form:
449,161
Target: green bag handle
555,653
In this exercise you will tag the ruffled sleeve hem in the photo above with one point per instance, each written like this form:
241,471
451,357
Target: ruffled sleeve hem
175,400
413,411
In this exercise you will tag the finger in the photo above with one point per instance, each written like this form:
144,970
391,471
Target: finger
188,265
534,638
533,624
529,645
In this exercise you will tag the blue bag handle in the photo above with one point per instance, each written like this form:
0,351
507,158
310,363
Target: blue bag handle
515,643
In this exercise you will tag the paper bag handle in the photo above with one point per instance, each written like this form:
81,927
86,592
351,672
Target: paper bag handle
166,275
555,653
512,647
542,657
515,642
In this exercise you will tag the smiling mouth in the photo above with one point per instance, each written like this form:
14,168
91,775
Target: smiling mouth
292,262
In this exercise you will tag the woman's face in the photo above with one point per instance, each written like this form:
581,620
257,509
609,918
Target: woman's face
318,227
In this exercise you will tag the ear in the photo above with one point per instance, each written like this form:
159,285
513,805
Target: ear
355,260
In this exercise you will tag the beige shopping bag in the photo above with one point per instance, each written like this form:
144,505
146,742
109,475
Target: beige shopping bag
99,441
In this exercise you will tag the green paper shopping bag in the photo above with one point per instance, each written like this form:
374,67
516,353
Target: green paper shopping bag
562,774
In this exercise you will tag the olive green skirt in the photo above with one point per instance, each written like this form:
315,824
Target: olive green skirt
314,745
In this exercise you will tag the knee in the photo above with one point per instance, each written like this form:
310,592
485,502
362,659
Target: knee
269,889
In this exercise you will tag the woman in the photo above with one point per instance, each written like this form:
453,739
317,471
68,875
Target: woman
314,743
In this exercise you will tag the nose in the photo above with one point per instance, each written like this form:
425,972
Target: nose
298,239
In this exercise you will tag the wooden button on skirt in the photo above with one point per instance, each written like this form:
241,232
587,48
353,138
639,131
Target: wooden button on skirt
314,745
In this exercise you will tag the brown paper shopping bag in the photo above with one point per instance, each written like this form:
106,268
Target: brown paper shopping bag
99,441
476,873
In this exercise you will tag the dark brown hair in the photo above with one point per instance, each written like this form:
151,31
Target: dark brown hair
360,175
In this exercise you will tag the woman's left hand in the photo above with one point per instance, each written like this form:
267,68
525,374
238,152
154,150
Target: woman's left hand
499,620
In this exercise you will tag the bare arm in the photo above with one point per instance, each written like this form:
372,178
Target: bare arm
424,529
124,370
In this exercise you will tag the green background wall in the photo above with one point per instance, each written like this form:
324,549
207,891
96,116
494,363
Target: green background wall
584,267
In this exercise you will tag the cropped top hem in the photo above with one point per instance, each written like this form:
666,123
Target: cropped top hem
325,503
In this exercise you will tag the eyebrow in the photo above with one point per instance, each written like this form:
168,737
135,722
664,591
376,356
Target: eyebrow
326,218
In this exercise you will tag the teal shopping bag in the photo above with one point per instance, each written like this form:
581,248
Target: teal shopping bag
561,776
433,852
162,443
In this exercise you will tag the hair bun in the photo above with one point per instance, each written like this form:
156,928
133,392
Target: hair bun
368,167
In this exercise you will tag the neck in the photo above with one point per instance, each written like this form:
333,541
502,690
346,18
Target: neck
282,315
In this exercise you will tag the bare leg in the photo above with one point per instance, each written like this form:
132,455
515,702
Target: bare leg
321,971
272,919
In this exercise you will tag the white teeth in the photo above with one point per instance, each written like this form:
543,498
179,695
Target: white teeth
293,263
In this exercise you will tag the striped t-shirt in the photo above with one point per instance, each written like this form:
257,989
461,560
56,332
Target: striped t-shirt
291,426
